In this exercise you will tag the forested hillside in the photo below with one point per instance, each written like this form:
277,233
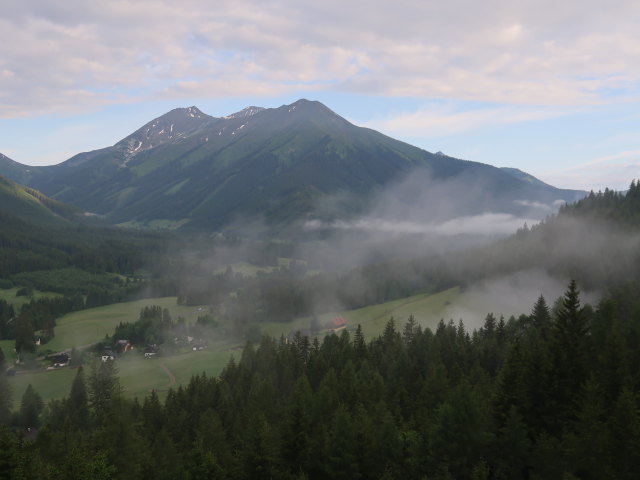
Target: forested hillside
546,395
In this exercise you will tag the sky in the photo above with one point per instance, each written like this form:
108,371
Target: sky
549,87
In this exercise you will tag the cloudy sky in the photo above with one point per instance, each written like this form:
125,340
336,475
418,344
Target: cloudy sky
550,87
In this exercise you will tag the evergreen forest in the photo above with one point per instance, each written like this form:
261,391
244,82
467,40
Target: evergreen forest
553,393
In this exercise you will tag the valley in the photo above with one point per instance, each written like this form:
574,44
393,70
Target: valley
139,376
302,284
319,240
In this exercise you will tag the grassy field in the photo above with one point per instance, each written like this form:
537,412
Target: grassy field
247,269
251,270
7,347
49,384
9,295
138,376
427,310
85,327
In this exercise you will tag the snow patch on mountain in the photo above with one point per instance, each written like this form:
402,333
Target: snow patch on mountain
244,113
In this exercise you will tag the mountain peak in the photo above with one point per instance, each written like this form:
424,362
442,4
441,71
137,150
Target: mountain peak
6,159
314,110
245,112
170,127
311,105
182,113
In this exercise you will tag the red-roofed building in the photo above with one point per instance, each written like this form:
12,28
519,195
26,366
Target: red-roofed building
336,324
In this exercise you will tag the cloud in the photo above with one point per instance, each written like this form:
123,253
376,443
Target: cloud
438,121
613,171
79,55
487,224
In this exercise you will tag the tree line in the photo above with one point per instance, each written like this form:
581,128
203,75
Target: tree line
552,394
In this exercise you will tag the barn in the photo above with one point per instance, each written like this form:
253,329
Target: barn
336,324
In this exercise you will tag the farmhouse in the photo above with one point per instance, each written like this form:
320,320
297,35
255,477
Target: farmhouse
336,324
199,344
123,346
61,360
107,355
151,351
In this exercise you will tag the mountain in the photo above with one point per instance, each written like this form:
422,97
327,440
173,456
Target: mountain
280,166
33,206
15,171
517,173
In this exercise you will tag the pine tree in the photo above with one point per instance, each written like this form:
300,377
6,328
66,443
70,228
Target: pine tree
25,338
340,458
540,315
514,445
104,387
5,398
409,330
359,345
624,431
489,328
570,350
77,405
297,444
31,406
588,443
390,337
152,414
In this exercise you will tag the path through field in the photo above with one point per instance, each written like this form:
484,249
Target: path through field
172,378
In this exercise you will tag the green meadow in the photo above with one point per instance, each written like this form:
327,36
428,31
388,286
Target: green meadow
83,328
427,310
138,376
49,384
7,347
9,295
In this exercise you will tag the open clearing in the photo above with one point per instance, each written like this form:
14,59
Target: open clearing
49,384
9,295
89,326
427,310
7,347
138,376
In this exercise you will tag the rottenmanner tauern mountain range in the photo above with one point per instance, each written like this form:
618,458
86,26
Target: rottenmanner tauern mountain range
192,171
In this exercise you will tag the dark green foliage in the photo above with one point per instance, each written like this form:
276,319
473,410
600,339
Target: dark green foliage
7,317
416,404
540,315
570,349
5,396
9,454
78,402
31,407
25,338
104,388
154,326
28,246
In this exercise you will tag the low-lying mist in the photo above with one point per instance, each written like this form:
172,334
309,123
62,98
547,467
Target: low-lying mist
419,235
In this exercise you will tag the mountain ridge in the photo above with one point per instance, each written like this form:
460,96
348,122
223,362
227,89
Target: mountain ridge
32,205
187,169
